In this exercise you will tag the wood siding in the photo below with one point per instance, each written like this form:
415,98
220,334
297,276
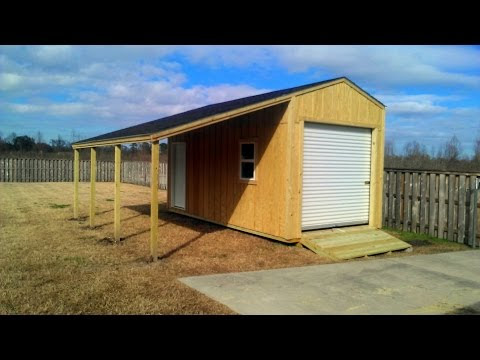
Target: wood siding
214,190
272,206
338,104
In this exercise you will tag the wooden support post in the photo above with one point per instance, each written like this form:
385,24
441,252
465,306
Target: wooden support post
118,154
154,201
93,175
76,173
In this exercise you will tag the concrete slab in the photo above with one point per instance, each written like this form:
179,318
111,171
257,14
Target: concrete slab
420,284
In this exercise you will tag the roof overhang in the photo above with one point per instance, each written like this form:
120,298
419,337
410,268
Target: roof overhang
177,130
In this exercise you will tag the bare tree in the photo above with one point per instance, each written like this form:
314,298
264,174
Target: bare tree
390,148
476,149
75,136
39,137
11,138
452,149
414,149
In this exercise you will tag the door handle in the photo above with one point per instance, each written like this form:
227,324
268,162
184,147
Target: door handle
367,182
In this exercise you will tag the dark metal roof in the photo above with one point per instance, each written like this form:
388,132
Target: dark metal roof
186,117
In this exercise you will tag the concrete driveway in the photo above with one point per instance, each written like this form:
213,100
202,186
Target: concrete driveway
447,283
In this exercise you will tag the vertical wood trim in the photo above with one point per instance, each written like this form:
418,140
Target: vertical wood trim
118,161
291,171
297,209
154,201
441,205
93,171
201,172
223,173
76,170
218,172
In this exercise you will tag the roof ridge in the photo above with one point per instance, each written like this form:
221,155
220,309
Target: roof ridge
188,116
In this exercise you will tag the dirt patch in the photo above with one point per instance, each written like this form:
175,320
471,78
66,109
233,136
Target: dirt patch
59,206
419,242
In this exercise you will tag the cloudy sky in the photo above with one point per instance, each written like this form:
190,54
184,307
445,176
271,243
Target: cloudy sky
431,92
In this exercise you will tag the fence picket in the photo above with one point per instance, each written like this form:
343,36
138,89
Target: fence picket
398,200
441,205
432,205
451,206
406,196
471,210
461,209
415,202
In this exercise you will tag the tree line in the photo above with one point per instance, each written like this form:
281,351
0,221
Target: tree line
24,146
448,156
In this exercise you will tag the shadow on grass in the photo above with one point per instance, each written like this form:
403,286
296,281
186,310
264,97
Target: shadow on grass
473,309
111,222
177,219
199,226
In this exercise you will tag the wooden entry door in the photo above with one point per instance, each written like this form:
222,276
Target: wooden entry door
179,174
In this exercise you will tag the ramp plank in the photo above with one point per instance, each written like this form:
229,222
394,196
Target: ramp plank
352,244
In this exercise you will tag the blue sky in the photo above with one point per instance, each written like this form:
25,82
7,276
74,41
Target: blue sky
431,92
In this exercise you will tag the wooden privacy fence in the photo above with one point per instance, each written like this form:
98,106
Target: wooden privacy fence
54,170
440,204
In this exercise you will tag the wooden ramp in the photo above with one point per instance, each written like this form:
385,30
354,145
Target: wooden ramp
348,243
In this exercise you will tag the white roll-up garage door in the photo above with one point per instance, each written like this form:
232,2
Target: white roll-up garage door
336,176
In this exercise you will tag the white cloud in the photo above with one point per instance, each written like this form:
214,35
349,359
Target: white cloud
9,81
132,102
64,109
387,65
412,107
126,85
418,104
52,54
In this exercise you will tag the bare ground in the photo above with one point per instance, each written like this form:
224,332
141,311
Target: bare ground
52,264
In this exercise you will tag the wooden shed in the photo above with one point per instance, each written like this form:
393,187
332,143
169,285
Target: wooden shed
278,164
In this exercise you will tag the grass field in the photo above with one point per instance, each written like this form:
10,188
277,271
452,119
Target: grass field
51,264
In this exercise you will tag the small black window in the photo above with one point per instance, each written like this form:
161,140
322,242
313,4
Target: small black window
247,151
247,161
247,170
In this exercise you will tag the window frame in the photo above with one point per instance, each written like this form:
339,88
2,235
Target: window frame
254,161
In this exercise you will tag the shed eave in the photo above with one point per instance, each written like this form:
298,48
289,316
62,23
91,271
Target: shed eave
177,130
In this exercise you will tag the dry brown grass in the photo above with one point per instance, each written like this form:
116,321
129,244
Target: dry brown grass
50,264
